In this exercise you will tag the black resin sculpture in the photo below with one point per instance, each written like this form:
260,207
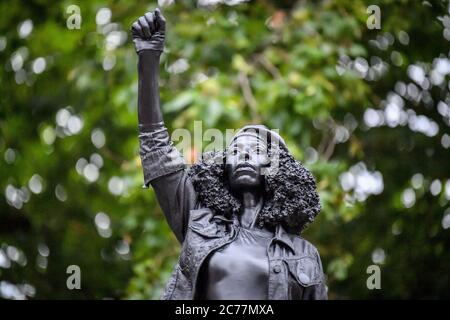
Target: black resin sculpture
238,213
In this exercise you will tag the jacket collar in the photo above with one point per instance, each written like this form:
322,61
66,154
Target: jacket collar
282,236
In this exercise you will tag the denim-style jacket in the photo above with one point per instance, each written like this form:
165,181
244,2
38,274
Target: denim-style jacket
295,268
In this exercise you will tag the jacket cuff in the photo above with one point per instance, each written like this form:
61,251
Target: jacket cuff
160,163
158,155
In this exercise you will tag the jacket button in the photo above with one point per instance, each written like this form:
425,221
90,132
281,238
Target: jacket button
303,277
277,269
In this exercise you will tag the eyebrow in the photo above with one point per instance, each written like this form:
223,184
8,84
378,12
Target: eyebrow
252,144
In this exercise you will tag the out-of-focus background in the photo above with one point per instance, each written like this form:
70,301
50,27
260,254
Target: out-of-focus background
367,110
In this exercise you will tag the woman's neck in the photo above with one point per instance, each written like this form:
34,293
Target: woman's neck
251,205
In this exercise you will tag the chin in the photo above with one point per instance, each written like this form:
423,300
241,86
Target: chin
245,182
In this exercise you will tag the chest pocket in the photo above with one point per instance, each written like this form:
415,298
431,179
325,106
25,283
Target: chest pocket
305,270
207,231
204,223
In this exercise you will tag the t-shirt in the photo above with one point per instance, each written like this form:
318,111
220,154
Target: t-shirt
239,270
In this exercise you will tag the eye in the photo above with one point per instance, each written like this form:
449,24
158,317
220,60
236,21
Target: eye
258,150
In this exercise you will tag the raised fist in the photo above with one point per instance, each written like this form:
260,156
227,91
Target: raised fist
148,32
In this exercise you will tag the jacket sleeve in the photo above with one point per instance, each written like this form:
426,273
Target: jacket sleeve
319,290
165,170
316,292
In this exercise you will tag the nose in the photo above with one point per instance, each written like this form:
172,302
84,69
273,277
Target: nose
244,155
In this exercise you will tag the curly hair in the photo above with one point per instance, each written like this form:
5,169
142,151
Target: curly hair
290,196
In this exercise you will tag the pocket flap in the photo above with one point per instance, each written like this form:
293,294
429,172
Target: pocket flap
200,223
210,230
305,270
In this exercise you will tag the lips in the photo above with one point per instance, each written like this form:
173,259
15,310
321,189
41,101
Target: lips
244,167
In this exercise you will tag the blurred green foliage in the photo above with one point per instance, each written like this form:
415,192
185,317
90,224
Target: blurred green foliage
284,64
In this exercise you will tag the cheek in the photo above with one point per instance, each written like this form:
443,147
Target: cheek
231,160
228,169
229,164
262,161
260,176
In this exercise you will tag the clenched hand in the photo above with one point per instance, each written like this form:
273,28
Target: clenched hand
148,32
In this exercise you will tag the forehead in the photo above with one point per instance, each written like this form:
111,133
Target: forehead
247,140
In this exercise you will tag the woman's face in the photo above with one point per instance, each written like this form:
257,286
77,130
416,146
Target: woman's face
245,158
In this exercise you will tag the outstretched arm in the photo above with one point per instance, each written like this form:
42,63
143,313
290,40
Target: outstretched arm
148,34
162,164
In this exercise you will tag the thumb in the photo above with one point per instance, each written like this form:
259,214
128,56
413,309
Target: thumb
160,19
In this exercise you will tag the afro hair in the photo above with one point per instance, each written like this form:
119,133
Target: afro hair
290,196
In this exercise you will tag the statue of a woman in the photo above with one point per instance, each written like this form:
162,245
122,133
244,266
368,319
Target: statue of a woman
237,213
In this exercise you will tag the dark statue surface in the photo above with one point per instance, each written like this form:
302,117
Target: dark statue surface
238,212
